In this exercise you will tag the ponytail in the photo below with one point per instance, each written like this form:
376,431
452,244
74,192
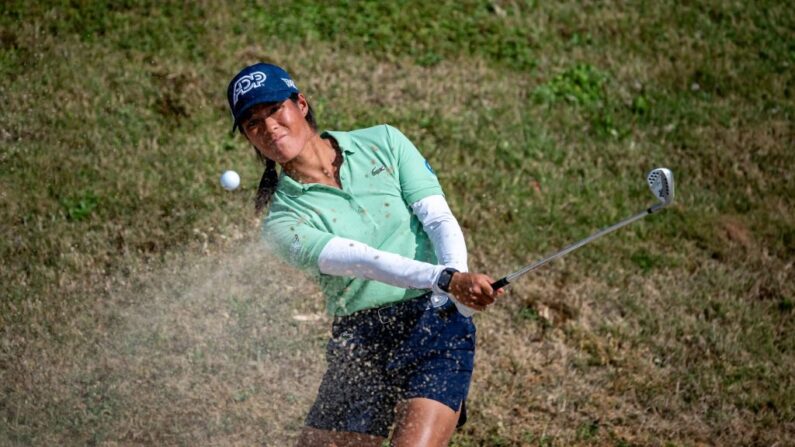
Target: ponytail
267,185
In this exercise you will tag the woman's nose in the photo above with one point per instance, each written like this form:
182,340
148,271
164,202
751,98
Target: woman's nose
271,126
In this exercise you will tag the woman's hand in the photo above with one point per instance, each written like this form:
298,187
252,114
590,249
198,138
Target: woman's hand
474,290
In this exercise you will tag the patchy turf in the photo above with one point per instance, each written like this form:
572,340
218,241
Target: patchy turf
138,309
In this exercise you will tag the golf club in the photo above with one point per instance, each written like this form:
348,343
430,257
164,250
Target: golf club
661,183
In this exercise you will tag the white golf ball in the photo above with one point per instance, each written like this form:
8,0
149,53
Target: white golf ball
230,180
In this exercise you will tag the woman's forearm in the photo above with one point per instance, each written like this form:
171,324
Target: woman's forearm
346,257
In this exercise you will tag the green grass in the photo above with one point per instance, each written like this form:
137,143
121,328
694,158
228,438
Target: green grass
540,118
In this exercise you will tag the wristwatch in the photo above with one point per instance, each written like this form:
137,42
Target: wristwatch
443,283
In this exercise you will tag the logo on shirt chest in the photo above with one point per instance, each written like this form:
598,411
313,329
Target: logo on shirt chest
376,171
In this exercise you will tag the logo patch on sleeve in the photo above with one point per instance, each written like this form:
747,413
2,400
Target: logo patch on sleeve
428,165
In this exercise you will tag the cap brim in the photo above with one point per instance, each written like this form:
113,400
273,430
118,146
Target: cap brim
277,96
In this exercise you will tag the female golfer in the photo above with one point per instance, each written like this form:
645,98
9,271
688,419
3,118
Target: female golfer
363,212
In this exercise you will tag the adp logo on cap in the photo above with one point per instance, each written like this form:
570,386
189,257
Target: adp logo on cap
257,84
247,82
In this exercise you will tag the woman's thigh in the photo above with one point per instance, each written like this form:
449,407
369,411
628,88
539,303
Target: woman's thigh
420,422
424,422
315,437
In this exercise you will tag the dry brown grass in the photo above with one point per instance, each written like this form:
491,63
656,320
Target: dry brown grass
158,320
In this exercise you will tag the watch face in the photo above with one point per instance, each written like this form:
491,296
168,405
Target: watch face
445,278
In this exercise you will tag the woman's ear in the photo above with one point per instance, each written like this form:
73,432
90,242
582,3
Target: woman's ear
302,104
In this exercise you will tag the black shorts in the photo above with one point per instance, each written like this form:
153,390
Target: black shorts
378,357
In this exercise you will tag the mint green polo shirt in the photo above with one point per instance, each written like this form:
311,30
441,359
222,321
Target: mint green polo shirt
382,174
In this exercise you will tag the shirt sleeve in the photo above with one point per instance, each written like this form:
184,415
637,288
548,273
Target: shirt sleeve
417,179
294,239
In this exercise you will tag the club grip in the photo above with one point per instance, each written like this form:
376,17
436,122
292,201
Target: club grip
500,283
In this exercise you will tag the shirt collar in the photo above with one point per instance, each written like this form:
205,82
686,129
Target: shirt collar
293,188
289,186
343,139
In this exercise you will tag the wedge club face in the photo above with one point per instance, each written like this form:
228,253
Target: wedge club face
661,183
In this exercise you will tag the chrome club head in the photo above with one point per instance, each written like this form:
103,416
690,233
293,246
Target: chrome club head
661,183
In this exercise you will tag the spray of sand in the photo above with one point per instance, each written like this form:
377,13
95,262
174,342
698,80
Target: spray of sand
225,349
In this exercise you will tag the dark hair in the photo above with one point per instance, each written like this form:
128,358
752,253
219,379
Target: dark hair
270,178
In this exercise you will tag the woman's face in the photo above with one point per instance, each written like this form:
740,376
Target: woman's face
279,131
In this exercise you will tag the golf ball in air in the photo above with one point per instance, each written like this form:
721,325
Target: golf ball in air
230,180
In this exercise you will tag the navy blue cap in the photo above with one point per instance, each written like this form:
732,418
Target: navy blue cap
257,84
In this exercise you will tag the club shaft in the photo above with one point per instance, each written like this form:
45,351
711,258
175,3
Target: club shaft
569,248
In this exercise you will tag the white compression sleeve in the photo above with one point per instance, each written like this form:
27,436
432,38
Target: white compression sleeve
446,236
443,230
346,257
